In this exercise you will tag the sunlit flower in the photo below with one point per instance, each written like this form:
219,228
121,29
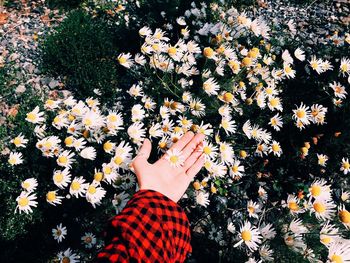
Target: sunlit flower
19,141
25,202
29,184
250,236
78,187
175,158
35,116
15,158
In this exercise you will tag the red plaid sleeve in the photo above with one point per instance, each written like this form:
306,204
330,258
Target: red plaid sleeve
151,228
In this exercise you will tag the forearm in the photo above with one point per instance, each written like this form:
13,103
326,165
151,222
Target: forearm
150,228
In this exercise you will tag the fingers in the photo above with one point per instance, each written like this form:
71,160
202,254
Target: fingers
185,139
193,157
195,168
143,154
191,146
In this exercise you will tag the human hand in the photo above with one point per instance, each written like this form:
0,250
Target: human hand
161,176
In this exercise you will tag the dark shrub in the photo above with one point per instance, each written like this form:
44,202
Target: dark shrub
82,50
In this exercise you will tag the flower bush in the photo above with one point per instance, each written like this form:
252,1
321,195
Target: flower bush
275,184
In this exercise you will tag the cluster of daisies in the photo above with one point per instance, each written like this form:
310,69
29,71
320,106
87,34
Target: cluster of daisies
257,75
80,126
235,76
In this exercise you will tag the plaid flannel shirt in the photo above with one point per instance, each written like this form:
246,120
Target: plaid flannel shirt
151,228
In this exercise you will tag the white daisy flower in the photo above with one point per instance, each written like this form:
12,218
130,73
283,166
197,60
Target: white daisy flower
202,198
299,54
322,159
88,240
339,252
52,198
25,202
211,87
61,178
125,60
345,165
19,141
236,169
276,122
344,216
175,158
119,201
65,159
275,148
323,209
95,194
88,153
59,233
68,256
29,184
345,66
15,158
35,116
250,236
78,187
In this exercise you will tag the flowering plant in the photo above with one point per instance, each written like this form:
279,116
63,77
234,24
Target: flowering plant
276,156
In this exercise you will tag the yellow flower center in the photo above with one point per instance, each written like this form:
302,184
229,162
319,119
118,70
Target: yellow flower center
276,148
98,176
118,160
23,201
207,150
319,207
92,189
51,196
208,52
243,154
344,68
196,185
346,165
58,177
122,60
65,260
17,141
326,239
293,206
172,51
107,170
75,186
251,209
316,190
344,216
228,97
69,140
107,146
337,259
288,69
62,159
246,235
26,185
234,168
273,102
87,122
31,116
314,65
162,145
247,61
174,159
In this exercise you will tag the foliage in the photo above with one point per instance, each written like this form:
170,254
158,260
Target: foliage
81,50
225,72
